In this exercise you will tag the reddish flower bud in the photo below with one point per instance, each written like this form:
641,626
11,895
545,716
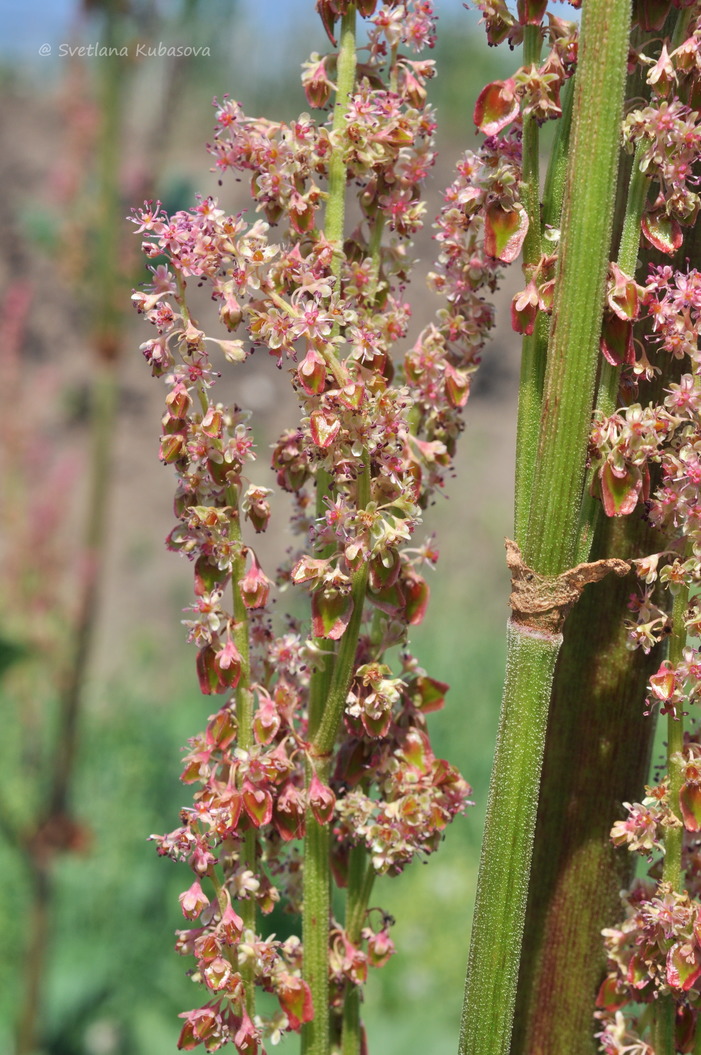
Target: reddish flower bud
228,664
193,901
531,12
212,422
499,22
524,310
616,341
457,386
208,576
683,965
331,612
301,214
218,974
380,947
416,594
288,815
620,491
230,928
316,83
202,1025
207,672
690,799
427,694
266,720
662,684
309,569
172,448
178,401
247,1036
325,427
295,1000
255,586
352,395
622,294
221,729
256,507
497,105
257,802
321,800
384,570
611,994
662,231
290,461
504,231
312,373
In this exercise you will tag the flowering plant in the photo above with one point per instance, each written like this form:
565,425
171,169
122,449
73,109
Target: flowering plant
322,734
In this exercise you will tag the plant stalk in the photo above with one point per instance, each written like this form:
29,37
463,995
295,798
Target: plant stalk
361,876
492,972
324,683
245,738
550,541
533,345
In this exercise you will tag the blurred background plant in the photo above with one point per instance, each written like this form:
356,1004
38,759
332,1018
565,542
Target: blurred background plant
97,689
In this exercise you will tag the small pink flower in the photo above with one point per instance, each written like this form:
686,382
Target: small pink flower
193,901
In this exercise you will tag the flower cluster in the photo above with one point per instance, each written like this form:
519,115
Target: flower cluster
630,445
319,726
649,456
532,90
654,954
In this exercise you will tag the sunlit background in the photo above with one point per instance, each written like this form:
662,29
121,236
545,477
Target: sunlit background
88,911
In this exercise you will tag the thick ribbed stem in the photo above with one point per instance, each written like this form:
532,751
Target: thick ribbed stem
502,891
552,537
533,346
317,875
361,876
551,540
245,737
607,393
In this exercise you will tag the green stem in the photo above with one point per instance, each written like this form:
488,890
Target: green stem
492,972
551,540
333,228
663,1027
315,925
338,176
674,837
317,841
343,670
607,393
554,190
533,346
317,897
361,876
244,721
607,396
573,353
596,756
